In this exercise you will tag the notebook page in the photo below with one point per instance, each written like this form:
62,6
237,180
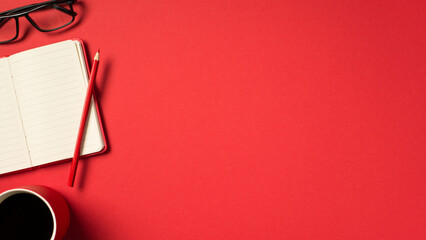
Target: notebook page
13,148
51,84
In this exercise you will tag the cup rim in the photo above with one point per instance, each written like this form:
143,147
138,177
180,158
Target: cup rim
4,195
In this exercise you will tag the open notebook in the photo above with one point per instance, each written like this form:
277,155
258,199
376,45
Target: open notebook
42,93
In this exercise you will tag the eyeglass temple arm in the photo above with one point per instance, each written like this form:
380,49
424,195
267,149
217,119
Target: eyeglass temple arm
67,11
39,5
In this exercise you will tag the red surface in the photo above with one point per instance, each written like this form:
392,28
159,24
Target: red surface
250,120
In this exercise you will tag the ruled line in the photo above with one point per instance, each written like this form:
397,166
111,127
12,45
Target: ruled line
50,85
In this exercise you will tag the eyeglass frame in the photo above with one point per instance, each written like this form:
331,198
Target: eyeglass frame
24,11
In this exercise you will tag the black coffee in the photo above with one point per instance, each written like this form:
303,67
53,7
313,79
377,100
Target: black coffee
25,216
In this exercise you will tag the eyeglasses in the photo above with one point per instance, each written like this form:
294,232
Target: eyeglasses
45,16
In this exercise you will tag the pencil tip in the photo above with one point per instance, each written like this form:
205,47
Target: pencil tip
97,56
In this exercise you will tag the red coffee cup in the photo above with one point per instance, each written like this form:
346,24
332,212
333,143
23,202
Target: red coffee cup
33,212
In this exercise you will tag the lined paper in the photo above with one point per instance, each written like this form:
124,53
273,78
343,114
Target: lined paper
13,148
50,84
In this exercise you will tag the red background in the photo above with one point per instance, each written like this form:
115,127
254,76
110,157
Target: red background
249,120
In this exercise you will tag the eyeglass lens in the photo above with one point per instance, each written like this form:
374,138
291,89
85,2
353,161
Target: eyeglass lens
51,17
7,29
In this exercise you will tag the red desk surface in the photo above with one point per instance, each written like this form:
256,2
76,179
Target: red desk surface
249,120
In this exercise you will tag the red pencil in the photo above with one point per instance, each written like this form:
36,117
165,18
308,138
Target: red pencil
87,100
